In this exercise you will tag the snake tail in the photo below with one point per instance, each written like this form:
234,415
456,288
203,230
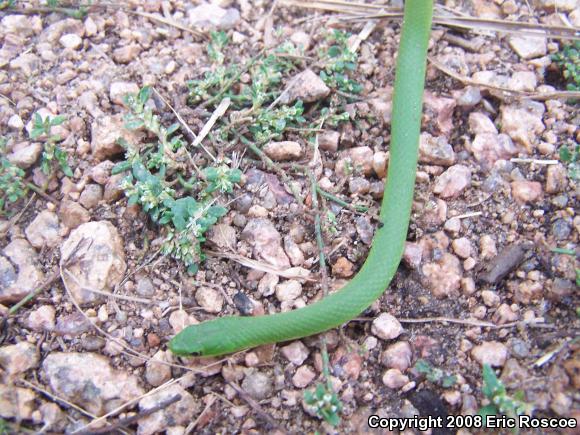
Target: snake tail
233,333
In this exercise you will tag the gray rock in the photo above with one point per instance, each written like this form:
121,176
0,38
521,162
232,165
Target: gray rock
102,260
29,277
145,287
364,230
435,150
211,15
306,86
170,418
88,380
561,229
91,195
72,325
16,402
528,47
42,319
266,242
157,373
258,385
43,230
72,214
25,156
18,358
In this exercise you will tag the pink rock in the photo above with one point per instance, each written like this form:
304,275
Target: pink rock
453,181
493,353
441,109
480,123
488,148
398,356
526,191
443,277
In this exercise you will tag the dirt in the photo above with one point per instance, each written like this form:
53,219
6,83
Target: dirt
500,288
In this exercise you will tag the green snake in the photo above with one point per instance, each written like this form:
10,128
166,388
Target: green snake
230,334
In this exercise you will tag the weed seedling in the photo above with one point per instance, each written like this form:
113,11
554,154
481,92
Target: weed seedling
434,374
568,60
500,401
340,63
323,399
41,129
12,185
571,157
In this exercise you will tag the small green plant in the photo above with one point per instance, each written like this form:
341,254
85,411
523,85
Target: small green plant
12,184
324,399
41,129
156,168
568,60
5,4
326,403
340,62
571,157
500,401
434,374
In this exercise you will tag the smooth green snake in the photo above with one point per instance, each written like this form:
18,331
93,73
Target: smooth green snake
230,334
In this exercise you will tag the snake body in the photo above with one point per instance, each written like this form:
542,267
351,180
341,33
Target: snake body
230,334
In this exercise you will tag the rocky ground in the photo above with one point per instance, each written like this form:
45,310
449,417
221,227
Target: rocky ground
479,283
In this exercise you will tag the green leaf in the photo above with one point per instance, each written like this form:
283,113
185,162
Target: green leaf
565,154
192,269
449,381
235,175
121,167
144,95
182,209
423,366
217,211
57,120
172,129
134,124
211,174
334,51
484,411
492,386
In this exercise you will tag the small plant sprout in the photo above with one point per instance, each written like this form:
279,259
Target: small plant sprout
570,155
12,185
324,399
568,60
500,402
434,374
340,62
325,402
41,129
